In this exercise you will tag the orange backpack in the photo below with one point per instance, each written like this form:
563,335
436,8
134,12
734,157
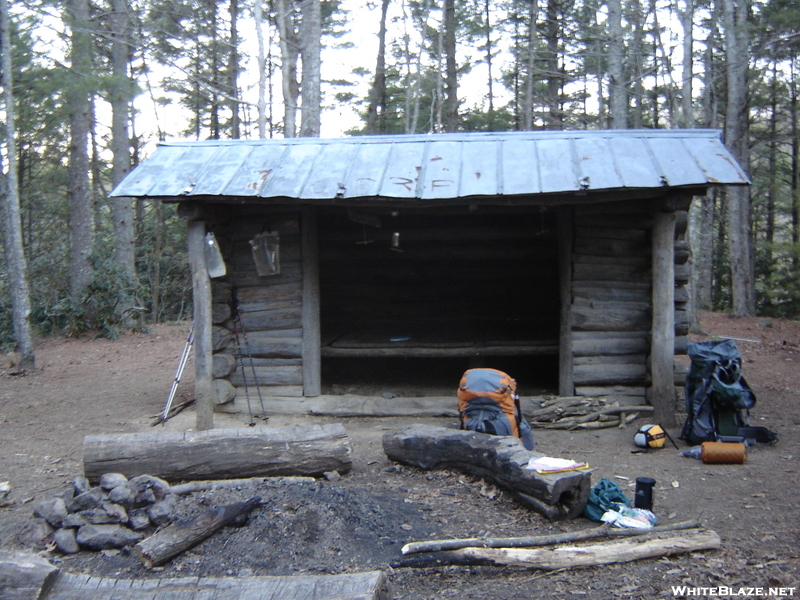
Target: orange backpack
488,403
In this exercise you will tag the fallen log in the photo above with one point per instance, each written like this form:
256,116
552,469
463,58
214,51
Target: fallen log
310,450
182,535
538,540
500,459
566,557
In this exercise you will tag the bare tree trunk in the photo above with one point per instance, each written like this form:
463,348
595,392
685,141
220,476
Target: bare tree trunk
553,34
289,54
261,61
233,70
310,52
12,224
376,113
121,94
527,109
737,141
619,100
451,110
687,22
637,56
81,217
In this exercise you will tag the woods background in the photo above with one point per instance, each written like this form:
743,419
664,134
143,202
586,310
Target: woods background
90,85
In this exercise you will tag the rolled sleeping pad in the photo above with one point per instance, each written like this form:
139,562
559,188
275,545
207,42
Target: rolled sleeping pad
723,453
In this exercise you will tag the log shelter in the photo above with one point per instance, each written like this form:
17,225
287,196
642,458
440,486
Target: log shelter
559,256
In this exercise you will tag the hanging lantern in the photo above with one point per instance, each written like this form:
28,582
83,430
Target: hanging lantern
266,253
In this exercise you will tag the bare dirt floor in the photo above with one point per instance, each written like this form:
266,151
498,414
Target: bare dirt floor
360,522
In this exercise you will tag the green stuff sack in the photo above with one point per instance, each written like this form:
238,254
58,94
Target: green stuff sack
605,496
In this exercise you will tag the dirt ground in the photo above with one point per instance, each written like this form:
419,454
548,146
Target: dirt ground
94,386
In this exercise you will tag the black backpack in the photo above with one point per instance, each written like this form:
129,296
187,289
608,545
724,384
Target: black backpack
718,399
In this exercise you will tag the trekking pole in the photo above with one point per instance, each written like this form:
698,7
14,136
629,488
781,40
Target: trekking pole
181,364
238,316
241,367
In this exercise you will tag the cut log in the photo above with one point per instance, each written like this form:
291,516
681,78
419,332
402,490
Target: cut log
501,459
178,537
24,576
566,557
310,450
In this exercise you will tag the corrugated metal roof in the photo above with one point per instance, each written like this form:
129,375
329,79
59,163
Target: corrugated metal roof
438,166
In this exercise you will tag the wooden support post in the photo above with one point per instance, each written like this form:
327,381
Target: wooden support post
312,362
201,293
566,383
662,349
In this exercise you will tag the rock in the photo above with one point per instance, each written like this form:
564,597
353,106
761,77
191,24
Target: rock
109,481
53,511
117,513
74,520
66,541
141,484
91,498
81,485
123,495
138,519
36,533
104,537
332,475
162,512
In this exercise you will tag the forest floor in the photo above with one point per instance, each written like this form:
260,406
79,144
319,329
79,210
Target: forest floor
360,522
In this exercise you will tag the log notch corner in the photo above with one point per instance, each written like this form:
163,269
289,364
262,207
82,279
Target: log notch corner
500,459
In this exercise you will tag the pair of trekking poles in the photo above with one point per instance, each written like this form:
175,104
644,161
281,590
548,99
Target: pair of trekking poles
238,325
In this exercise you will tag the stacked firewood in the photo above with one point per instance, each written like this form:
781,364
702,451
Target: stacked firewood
582,412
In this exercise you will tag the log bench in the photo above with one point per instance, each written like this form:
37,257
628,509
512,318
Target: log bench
30,577
310,450
500,459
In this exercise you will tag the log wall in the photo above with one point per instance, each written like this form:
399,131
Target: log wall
612,299
262,357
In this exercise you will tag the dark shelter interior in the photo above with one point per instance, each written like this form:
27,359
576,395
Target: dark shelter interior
413,298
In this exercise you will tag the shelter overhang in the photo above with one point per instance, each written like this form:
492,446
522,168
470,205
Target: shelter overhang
550,167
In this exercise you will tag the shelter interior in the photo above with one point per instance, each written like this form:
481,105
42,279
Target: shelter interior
415,297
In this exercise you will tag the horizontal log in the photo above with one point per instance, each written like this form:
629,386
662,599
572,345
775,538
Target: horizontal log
635,235
220,453
610,390
595,272
612,359
456,351
351,586
609,374
604,530
501,459
220,312
286,403
609,343
608,247
568,557
24,575
607,317
266,375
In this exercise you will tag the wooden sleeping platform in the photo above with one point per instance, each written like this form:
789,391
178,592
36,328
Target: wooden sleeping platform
429,344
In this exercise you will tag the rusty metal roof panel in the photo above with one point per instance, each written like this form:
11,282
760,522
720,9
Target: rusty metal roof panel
435,167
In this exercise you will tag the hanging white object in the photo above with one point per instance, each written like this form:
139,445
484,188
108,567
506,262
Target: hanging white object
215,264
266,253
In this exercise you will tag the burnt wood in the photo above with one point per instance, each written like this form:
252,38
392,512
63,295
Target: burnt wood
178,537
501,459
